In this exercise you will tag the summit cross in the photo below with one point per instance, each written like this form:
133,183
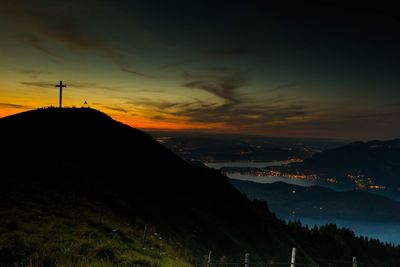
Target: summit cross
61,85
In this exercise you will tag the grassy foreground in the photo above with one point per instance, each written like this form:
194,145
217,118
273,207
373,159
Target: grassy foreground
73,232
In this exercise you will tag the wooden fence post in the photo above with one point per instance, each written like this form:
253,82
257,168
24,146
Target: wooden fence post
247,260
293,260
144,237
354,262
209,259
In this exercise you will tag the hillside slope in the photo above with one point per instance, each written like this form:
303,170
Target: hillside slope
84,152
44,228
74,179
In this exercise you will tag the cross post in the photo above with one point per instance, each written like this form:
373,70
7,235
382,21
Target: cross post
61,85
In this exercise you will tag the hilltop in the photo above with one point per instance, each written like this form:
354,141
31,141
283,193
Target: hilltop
78,188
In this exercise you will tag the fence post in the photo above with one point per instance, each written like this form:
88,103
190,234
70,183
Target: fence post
293,260
354,262
144,237
209,259
247,260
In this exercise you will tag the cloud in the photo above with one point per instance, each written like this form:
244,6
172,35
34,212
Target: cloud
11,105
30,71
115,108
38,44
59,22
39,84
284,86
92,85
224,87
276,116
235,110
51,21
157,104
70,84
127,68
244,115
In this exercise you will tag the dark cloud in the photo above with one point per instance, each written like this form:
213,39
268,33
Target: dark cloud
238,113
60,22
71,84
236,110
39,84
158,117
39,45
157,104
30,71
54,21
11,105
244,115
115,108
278,116
285,86
92,85
127,68
224,87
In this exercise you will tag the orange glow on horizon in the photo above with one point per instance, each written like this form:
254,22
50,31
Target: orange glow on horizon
4,112
142,122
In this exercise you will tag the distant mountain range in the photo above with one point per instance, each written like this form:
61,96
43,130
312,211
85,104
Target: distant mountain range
367,163
293,201
372,166
235,147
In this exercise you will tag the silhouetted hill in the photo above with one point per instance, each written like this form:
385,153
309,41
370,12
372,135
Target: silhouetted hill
85,152
378,160
320,202
61,169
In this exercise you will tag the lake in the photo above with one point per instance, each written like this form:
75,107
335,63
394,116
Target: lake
387,232
259,179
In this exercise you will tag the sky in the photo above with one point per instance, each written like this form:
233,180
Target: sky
273,68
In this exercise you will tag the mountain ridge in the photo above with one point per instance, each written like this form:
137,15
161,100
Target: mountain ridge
378,160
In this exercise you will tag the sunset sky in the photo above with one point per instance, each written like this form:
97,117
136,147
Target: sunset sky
254,67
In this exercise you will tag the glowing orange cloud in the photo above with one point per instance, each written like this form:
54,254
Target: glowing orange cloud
142,122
